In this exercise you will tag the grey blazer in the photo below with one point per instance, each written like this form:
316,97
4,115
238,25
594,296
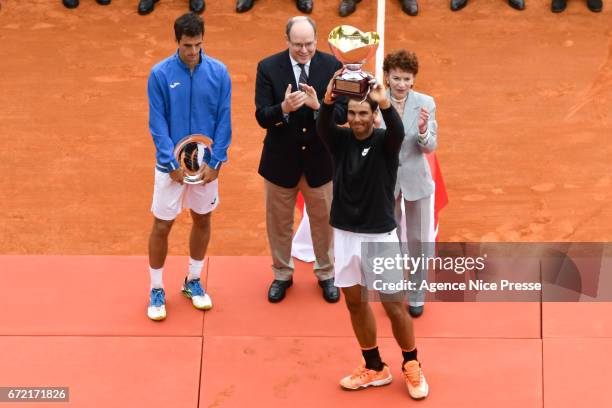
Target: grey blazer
413,175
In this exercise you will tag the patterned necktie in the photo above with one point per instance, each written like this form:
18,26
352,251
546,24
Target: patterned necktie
303,76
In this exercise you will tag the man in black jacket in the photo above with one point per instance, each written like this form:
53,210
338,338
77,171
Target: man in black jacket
288,93
365,170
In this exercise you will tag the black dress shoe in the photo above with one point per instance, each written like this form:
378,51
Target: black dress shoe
558,6
595,5
415,311
146,6
277,290
244,5
197,6
103,2
305,6
71,3
330,292
517,4
457,4
347,7
410,7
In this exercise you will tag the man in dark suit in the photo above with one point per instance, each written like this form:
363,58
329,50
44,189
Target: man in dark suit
293,158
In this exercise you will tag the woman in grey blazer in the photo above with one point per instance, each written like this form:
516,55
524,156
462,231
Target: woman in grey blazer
414,185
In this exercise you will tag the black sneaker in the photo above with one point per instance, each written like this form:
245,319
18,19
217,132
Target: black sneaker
146,6
331,293
595,5
558,6
71,3
416,311
278,290
197,6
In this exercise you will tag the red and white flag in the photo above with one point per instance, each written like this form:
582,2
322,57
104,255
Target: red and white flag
441,196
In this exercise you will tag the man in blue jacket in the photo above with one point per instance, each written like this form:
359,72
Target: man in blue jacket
189,93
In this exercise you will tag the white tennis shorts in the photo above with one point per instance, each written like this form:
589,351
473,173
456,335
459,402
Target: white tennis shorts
170,197
348,258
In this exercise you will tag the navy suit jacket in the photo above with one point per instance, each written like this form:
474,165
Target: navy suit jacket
291,147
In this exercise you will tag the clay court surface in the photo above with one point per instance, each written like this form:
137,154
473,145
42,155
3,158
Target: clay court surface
525,116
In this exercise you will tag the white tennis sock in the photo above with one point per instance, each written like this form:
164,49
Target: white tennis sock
156,278
195,268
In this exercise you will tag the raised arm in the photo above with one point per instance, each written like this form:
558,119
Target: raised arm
341,105
326,127
394,134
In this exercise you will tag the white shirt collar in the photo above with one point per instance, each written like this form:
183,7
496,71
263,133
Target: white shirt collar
294,63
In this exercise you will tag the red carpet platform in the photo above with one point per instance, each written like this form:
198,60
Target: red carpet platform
81,322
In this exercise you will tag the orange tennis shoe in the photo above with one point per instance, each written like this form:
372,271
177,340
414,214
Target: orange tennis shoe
363,377
415,380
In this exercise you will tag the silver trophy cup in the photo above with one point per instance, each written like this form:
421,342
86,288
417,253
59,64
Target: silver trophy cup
193,153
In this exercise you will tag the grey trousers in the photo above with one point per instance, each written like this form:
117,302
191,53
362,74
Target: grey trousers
280,209
420,237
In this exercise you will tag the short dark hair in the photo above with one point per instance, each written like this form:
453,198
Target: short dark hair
294,20
373,104
190,24
405,60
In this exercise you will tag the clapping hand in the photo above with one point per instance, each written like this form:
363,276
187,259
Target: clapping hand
312,101
423,118
293,100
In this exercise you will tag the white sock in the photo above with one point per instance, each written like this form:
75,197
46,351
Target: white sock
195,268
156,278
